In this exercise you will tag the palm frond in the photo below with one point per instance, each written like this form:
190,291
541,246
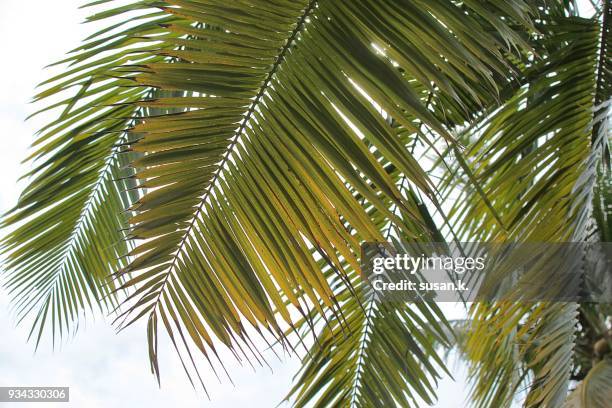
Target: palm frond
66,233
376,353
277,139
537,162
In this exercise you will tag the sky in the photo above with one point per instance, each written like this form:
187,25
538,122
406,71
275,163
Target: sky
104,369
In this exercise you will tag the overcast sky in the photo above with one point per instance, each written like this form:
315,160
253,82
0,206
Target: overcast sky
102,369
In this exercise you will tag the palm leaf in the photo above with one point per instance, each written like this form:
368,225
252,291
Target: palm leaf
66,231
376,354
278,138
537,162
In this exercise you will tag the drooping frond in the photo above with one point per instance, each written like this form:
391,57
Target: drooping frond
384,356
66,232
378,353
282,148
537,161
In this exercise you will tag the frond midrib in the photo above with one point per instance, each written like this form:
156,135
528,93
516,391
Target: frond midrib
603,51
362,352
71,246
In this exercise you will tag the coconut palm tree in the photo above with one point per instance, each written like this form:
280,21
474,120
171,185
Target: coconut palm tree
214,167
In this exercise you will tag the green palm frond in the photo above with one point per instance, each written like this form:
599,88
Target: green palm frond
226,160
537,161
376,353
382,356
66,231
282,128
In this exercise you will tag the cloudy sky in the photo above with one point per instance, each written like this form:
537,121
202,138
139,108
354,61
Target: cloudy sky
102,368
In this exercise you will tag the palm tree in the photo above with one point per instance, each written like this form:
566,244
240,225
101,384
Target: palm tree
215,166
